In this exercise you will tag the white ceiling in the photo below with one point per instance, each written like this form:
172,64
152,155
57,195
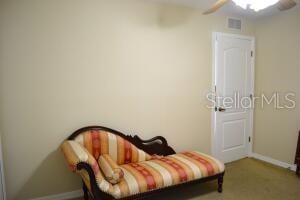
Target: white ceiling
230,8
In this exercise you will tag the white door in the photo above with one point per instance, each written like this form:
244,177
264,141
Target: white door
233,81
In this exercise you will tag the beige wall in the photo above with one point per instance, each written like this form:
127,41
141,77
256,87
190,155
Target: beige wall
134,66
278,69
130,65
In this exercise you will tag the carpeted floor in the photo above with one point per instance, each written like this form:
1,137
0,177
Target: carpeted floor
247,179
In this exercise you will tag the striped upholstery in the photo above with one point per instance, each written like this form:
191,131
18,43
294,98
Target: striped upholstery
144,173
167,171
112,172
120,150
76,153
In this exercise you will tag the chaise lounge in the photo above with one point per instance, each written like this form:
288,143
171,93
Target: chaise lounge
115,166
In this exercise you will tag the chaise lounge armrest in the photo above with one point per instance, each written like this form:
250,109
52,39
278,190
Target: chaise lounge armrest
155,146
79,160
76,154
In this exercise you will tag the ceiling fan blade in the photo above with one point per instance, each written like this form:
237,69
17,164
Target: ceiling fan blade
286,4
216,6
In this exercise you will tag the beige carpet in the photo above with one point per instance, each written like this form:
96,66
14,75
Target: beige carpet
247,179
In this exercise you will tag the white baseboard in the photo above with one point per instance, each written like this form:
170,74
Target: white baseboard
62,196
274,162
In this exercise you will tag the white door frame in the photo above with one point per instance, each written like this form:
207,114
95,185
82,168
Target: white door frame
2,171
213,113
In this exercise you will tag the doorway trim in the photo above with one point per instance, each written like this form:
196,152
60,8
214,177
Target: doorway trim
2,171
213,113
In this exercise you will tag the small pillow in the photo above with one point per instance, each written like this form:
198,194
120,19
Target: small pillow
110,169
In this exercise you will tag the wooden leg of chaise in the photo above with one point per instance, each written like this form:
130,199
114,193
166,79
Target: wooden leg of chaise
220,184
85,192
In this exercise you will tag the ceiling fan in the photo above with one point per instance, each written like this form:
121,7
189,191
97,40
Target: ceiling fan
253,4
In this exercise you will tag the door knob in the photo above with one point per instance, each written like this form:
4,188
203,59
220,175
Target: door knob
221,109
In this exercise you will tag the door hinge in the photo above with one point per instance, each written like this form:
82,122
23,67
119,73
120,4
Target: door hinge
252,53
249,139
216,108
